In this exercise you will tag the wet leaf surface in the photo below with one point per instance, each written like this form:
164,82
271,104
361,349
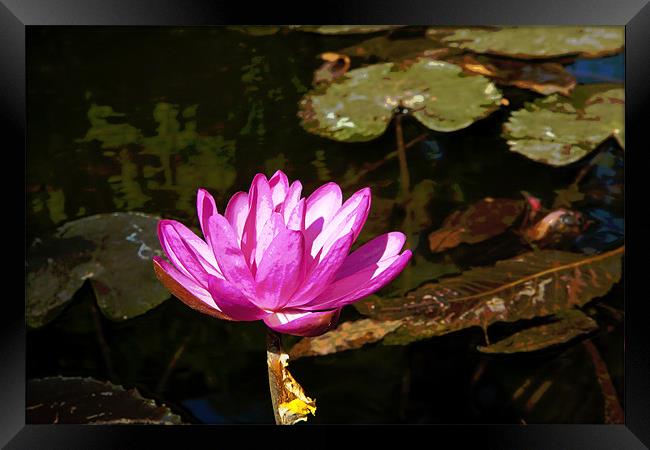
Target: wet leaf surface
360,105
559,131
480,221
76,400
564,327
534,284
113,251
347,336
537,42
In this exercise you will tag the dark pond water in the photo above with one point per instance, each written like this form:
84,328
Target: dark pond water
239,93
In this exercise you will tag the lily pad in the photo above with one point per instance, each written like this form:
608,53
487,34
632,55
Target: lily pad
394,50
566,326
75,400
113,251
538,42
559,131
360,105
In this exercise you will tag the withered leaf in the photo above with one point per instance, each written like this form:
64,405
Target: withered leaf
535,284
76,400
347,336
480,221
290,404
565,326
613,412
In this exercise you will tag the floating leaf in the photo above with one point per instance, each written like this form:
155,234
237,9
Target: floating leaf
360,105
534,284
75,400
114,251
480,221
290,404
347,336
559,131
544,78
343,29
255,30
565,326
537,42
566,197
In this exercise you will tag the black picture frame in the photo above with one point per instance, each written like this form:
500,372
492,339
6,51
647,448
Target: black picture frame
17,15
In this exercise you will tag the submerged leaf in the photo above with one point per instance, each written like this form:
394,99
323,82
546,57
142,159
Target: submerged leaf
76,400
114,251
537,42
534,284
347,336
360,105
290,404
558,131
613,412
565,326
480,221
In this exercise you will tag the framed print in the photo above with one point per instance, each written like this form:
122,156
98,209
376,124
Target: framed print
373,215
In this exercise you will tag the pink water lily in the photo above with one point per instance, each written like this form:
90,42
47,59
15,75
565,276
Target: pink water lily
278,257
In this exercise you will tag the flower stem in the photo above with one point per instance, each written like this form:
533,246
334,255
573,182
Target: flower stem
273,352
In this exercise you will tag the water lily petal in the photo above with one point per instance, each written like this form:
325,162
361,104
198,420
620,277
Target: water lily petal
281,270
297,217
271,229
206,207
322,273
186,289
230,257
237,212
261,207
350,217
279,184
233,302
370,253
321,206
187,251
292,199
361,284
303,323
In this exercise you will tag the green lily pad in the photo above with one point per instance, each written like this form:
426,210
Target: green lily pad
537,42
360,105
559,131
566,326
76,400
113,251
